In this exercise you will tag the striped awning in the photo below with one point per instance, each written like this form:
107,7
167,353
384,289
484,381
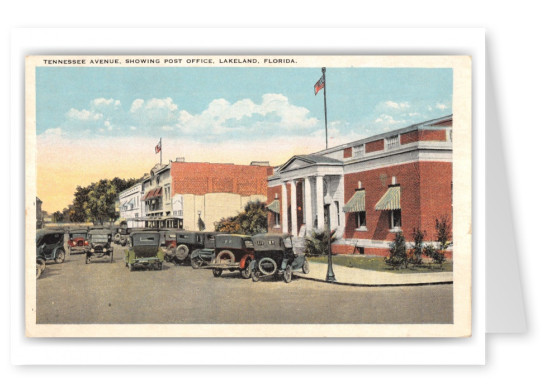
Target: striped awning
274,206
391,199
356,203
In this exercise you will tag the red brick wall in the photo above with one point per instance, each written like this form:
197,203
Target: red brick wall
436,195
347,152
409,137
423,135
376,184
373,146
202,178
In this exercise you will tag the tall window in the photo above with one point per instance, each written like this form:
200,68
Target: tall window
276,219
395,219
392,142
360,219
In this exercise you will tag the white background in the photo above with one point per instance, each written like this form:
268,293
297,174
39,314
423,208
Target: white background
517,47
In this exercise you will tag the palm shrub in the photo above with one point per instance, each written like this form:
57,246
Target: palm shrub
398,256
316,243
415,253
443,234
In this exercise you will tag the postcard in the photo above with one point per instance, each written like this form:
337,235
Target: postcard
248,196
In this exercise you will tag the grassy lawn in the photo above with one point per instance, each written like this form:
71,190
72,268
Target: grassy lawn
378,264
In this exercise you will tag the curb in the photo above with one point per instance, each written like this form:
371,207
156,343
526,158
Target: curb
374,285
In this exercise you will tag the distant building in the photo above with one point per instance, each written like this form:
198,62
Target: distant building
180,194
370,189
130,205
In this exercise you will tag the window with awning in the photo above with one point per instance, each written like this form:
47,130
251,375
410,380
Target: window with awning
390,200
356,203
274,206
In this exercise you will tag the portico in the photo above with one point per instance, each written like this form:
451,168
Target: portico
310,186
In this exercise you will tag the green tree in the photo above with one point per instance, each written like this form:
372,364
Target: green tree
398,256
100,205
253,220
58,217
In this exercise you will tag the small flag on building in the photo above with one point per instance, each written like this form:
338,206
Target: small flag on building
158,147
319,85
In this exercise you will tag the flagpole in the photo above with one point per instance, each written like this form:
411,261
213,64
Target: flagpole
161,144
325,105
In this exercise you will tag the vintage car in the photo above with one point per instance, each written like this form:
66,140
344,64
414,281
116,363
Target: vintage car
145,251
99,245
121,234
230,252
274,255
78,240
50,245
181,244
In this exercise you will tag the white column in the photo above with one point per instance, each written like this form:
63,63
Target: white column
294,230
319,201
284,224
308,204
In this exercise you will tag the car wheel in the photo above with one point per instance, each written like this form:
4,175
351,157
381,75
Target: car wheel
246,273
255,276
306,267
182,251
216,272
160,266
225,256
288,274
60,256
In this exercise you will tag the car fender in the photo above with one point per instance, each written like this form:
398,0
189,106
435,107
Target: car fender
284,263
243,262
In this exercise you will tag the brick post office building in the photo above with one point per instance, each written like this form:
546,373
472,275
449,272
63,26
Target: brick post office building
370,188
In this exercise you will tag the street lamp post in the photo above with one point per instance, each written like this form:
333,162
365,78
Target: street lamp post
330,277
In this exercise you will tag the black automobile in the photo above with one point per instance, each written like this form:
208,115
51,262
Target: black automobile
274,255
181,244
230,252
121,234
99,245
50,245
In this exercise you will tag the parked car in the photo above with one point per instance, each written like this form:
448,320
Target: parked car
78,240
50,245
145,251
121,234
230,252
99,245
274,256
181,244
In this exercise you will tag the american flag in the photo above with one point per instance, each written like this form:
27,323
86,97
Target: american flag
319,85
158,147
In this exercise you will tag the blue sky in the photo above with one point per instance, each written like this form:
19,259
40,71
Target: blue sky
207,104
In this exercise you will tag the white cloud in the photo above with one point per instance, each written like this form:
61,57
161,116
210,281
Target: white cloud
83,115
136,105
397,105
100,103
441,106
221,116
413,114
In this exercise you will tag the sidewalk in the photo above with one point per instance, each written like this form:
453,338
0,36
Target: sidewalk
353,276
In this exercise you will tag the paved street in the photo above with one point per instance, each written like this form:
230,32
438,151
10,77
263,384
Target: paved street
74,292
